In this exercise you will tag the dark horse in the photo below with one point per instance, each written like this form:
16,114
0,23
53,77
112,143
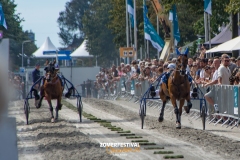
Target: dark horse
51,89
177,88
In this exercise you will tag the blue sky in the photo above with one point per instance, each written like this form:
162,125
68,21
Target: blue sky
41,18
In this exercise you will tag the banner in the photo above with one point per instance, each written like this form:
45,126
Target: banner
208,6
131,12
2,18
176,32
150,33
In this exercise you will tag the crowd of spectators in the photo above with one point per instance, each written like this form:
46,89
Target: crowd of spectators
222,70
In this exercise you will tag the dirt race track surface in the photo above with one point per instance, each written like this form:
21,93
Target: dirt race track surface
70,139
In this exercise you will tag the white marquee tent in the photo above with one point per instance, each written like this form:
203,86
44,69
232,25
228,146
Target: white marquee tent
231,45
81,51
46,46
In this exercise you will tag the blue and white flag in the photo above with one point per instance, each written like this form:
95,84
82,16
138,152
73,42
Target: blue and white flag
150,33
130,11
176,32
208,6
2,18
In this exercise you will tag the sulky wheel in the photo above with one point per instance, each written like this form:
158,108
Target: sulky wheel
142,112
26,110
79,108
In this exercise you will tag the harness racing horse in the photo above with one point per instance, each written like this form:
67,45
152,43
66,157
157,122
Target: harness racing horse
51,89
177,88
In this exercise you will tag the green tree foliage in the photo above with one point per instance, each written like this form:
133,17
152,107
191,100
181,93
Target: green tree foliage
13,20
233,7
15,34
98,35
70,22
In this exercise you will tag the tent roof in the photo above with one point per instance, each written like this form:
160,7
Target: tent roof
223,36
46,46
230,45
81,51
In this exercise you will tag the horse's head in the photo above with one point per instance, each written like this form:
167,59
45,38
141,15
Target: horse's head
50,71
182,61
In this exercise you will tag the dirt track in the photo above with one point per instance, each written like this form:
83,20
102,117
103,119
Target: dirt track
68,139
57,141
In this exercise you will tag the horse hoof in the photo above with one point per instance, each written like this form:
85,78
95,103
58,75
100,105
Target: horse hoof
160,119
52,120
178,126
187,109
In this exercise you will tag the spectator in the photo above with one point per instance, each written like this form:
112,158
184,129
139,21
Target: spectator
238,62
88,87
233,60
232,65
190,62
223,71
234,78
210,61
210,94
193,70
83,89
207,74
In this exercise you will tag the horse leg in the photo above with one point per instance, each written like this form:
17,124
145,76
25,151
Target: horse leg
39,104
58,107
189,105
51,109
160,119
180,113
164,100
176,111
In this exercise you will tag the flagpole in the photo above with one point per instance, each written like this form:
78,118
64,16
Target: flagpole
206,26
130,34
127,32
209,31
135,30
148,49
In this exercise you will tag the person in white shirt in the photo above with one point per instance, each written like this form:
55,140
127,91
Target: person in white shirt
224,72
210,95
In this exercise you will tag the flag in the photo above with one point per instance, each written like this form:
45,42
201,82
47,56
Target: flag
176,32
150,33
208,6
130,11
2,18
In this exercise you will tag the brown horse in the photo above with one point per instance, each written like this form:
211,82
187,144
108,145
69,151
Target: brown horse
177,88
51,89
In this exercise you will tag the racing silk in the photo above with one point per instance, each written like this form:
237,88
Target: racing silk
165,77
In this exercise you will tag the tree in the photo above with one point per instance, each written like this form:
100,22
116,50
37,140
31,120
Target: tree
98,35
70,22
233,8
15,33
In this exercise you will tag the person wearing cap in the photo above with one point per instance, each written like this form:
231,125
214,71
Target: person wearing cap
165,77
